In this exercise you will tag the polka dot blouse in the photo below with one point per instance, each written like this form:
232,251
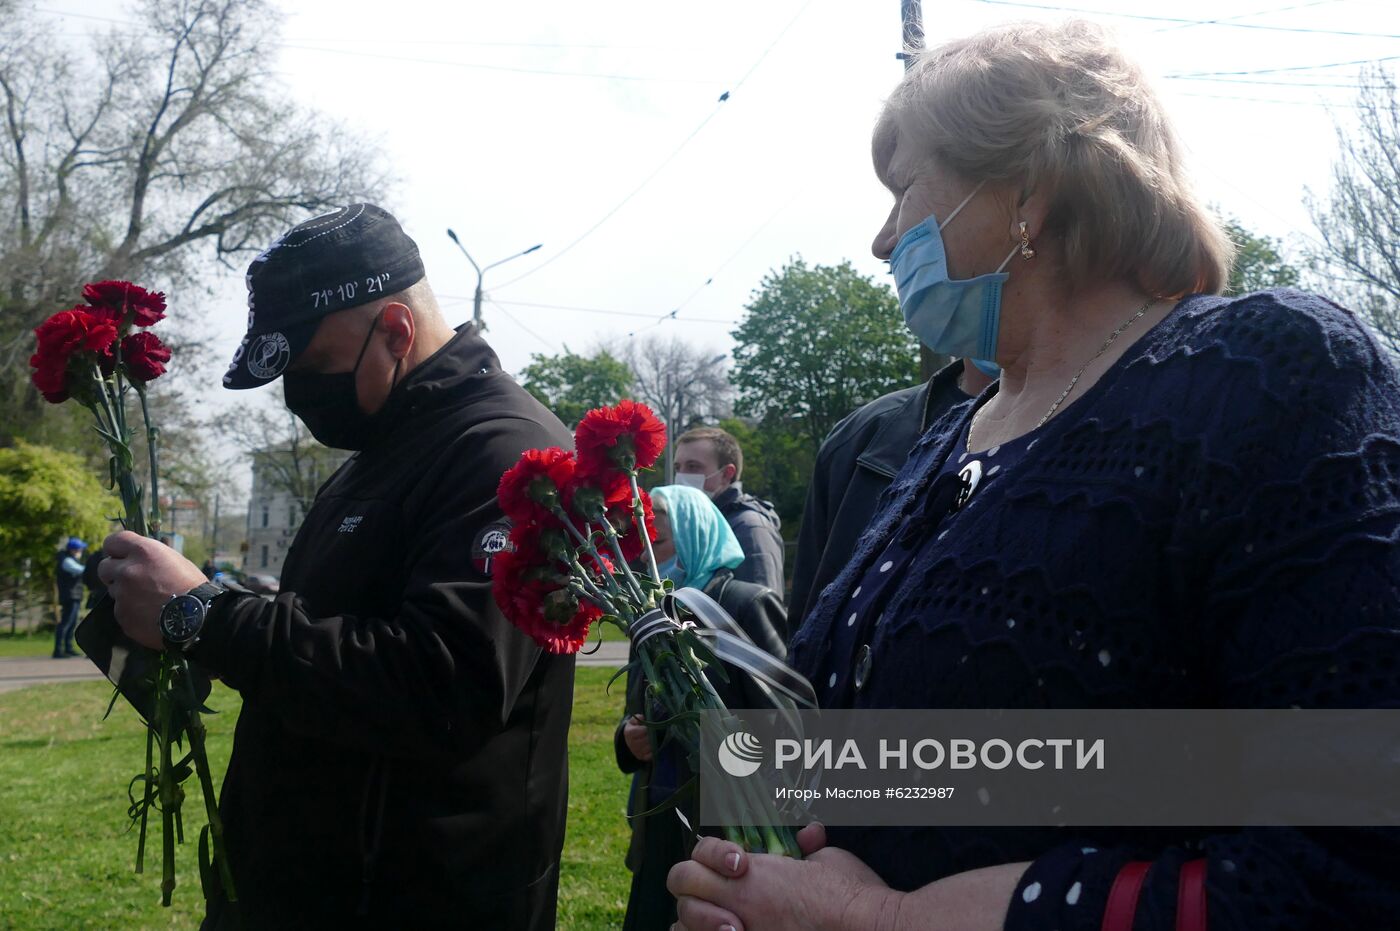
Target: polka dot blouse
1211,524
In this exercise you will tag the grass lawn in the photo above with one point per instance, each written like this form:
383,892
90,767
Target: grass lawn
66,859
27,644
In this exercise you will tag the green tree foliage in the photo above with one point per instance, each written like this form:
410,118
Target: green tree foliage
816,343
45,496
777,466
571,385
1259,263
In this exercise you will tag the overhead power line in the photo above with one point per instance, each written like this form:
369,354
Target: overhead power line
511,317
734,255
656,320
668,159
577,309
1291,67
1194,22
1344,85
1326,105
1225,20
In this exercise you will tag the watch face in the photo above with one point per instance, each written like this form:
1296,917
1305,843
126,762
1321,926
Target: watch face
181,618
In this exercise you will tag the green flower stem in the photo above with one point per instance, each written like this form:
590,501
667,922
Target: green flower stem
164,713
640,518
684,687
152,435
114,425
761,838
148,789
583,593
613,587
197,734
594,593
610,534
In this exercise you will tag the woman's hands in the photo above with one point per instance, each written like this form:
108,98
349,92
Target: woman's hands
723,888
634,735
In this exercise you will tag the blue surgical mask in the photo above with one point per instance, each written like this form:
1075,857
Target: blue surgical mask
990,369
959,318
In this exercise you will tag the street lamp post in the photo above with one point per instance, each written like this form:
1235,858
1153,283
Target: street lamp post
480,272
676,411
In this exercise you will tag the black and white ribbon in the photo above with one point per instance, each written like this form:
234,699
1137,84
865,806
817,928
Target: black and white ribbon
783,686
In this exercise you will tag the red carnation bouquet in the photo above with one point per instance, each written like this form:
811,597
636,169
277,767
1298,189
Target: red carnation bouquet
579,524
98,353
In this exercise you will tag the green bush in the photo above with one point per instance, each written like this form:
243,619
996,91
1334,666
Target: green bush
47,495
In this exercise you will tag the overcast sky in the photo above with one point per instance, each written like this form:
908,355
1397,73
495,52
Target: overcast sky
530,122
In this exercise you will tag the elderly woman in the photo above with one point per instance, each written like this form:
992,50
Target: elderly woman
1170,499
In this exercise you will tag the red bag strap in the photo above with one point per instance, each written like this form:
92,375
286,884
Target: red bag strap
1123,897
1191,897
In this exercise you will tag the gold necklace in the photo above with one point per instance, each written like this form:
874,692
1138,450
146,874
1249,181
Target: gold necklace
1075,380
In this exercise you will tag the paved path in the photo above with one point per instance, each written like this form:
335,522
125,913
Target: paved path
18,671
610,653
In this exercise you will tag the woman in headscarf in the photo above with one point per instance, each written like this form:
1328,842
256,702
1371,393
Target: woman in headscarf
695,548
1170,499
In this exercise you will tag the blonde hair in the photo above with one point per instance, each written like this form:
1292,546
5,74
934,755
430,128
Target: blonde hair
1058,109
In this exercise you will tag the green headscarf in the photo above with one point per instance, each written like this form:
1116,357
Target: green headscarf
704,542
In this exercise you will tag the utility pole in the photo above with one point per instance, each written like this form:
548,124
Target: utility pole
214,541
671,432
677,409
911,18
480,272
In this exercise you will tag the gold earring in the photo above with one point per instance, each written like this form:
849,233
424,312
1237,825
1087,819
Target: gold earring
1027,252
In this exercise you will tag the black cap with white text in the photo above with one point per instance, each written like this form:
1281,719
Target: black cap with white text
356,255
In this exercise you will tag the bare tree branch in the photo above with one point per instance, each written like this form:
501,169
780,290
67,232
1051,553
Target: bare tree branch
142,161
1359,221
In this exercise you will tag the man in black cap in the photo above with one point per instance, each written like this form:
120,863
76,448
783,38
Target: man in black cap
400,760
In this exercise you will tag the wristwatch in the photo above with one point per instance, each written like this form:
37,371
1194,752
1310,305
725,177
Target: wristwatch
182,618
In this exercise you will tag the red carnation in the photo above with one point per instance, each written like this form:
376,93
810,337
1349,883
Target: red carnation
113,300
76,330
534,486
570,633
536,598
144,356
50,377
628,436
61,337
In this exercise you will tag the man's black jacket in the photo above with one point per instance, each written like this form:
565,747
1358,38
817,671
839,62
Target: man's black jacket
401,757
856,463
758,529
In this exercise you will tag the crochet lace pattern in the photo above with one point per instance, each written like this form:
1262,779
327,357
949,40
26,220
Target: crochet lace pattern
1211,524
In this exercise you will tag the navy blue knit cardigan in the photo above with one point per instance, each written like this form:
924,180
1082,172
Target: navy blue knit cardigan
1212,524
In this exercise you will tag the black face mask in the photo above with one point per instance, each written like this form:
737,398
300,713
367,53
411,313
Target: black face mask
329,406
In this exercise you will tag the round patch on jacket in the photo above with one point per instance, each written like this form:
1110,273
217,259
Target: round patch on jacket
492,539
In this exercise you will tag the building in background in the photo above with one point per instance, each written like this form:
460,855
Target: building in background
285,480
182,518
